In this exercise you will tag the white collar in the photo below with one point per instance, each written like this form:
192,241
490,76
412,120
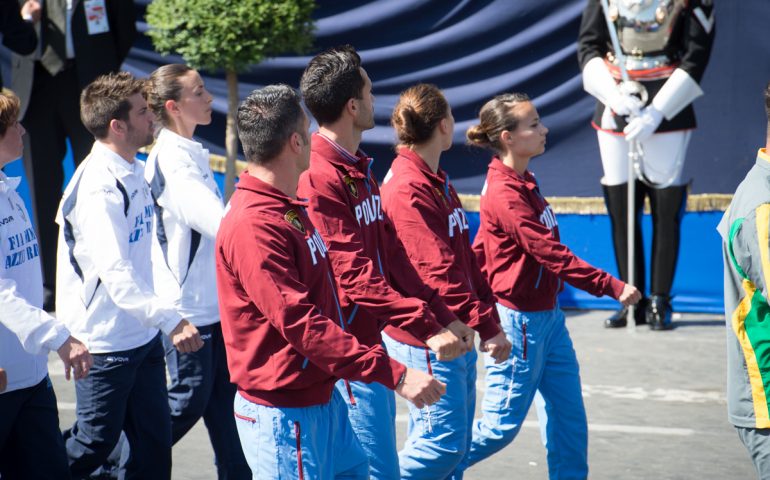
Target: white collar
8,183
114,160
195,149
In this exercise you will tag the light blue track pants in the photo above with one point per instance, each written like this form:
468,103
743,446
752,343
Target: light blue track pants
372,412
438,435
542,360
308,443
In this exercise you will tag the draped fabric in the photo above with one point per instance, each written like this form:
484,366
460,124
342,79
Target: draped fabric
475,49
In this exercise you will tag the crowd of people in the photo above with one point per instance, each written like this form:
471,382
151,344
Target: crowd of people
290,317
332,295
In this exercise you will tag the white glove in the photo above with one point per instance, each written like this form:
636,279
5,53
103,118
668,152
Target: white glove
598,82
642,127
625,104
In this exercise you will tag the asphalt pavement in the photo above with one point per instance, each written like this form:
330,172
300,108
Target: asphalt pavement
655,403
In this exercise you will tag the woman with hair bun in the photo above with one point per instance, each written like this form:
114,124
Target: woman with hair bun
431,224
519,250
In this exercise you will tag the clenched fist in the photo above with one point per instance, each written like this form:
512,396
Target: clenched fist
420,388
446,345
76,358
186,338
498,347
464,333
630,295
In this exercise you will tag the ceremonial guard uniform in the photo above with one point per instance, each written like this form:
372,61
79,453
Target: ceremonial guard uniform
666,46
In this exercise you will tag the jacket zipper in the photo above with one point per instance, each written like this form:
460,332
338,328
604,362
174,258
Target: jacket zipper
299,451
524,341
539,276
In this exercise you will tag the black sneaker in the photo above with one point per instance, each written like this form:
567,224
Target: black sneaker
618,319
659,312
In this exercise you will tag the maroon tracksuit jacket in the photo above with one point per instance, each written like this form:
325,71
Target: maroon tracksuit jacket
377,283
519,250
278,305
432,226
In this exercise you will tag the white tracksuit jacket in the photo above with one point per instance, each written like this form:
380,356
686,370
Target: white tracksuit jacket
27,332
188,209
105,292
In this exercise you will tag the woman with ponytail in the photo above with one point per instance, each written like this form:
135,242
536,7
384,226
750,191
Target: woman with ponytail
188,208
519,250
431,224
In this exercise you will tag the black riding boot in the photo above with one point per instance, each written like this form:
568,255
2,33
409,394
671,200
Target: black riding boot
668,206
616,199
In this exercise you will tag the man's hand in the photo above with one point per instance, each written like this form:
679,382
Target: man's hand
76,357
624,104
630,295
3,380
186,338
642,127
463,332
420,388
498,347
31,10
446,345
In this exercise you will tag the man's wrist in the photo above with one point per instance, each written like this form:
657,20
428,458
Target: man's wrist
401,380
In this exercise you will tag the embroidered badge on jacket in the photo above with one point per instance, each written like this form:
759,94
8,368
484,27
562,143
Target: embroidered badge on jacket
351,185
292,218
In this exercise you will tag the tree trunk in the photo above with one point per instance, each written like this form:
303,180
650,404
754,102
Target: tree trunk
231,137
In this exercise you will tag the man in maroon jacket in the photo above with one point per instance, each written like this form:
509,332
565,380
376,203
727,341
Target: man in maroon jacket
281,320
378,284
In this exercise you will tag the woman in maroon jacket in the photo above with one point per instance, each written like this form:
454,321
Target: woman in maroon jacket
431,224
519,250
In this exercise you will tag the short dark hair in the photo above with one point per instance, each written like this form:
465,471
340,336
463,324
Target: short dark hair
106,99
164,85
9,110
331,79
266,120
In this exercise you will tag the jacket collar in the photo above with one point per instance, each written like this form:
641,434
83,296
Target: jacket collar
527,180
195,149
763,158
115,163
413,159
8,183
253,184
358,165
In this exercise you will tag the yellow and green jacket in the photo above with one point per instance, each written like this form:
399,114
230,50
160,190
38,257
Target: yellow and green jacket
745,231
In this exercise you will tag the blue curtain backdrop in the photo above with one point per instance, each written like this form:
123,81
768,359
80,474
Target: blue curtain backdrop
475,49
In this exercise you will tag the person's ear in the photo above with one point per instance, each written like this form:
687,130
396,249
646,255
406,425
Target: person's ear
352,106
118,127
171,107
296,142
443,126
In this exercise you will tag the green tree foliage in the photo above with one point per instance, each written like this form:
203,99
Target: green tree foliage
230,36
